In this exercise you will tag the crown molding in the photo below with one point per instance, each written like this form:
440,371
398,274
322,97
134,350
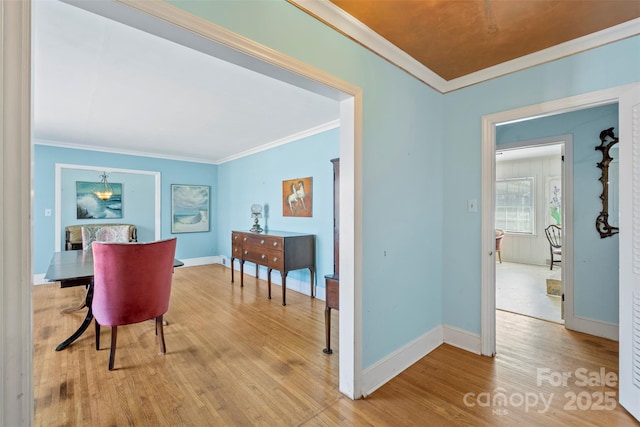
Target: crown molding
346,24
269,145
572,47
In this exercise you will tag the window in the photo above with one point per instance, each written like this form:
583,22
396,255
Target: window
515,205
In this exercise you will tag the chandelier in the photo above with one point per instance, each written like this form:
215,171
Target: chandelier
103,190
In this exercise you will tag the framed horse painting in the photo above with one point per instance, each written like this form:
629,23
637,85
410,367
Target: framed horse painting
297,197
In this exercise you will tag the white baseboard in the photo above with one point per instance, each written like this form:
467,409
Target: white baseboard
38,279
462,339
293,284
386,369
192,262
276,279
598,328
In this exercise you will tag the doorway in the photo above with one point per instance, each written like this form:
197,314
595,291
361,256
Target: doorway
588,104
179,26
529,197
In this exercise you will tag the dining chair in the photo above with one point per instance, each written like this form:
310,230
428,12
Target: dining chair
96,233
132,284
554,236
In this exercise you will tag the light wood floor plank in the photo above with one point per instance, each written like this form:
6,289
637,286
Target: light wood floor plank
234,357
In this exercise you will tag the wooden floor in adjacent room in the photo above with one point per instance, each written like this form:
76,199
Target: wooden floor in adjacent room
235,357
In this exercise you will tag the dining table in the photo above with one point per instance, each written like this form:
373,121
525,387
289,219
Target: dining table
75,268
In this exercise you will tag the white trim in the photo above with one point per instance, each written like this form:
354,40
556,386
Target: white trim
291,138
462,339
598,328
384,370
489,122
192,262
58,195
282,141
331,14
590,41
170,22
351,27
16,337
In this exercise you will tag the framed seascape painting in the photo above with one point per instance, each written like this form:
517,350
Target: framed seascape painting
189,208
90,206
297,197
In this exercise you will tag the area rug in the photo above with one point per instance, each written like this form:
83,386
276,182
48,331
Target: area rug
554,287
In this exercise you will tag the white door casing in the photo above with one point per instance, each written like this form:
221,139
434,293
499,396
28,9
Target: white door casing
629,272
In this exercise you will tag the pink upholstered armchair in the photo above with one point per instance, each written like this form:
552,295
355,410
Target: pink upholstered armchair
132,283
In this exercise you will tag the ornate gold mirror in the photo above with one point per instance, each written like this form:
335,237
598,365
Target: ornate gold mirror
603,225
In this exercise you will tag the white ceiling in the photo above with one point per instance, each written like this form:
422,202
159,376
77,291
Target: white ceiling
100,84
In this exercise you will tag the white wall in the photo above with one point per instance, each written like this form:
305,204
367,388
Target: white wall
531,249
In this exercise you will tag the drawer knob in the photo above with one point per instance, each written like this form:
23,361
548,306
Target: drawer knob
275,259
246,252
263,256
262,242
275,243
245,239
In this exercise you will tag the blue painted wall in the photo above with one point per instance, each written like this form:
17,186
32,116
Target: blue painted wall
258,179
403,134
190,245
609,66
235,186
595,259
421,163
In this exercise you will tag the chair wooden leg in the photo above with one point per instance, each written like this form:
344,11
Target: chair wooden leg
160,334
97,334
500,256
114,339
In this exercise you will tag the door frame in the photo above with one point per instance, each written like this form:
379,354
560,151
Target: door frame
489,123
566,274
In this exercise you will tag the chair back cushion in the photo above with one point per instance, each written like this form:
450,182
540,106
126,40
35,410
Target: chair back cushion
73,234
132,281
102,233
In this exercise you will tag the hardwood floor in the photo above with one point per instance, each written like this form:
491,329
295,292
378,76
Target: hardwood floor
235,357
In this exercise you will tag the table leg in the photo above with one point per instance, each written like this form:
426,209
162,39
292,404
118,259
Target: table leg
269,281
284,288
313,288
85,323
82,304
241,272
327,330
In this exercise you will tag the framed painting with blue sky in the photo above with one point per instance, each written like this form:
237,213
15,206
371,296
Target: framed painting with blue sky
189,208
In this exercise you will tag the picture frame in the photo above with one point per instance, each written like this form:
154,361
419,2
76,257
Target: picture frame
89,206
190,208
297,197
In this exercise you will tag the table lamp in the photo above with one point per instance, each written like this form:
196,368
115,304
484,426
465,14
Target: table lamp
256,212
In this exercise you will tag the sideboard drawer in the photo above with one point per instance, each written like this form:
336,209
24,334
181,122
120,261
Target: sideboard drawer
263,242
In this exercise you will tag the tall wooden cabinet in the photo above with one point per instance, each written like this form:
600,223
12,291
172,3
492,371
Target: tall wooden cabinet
332,281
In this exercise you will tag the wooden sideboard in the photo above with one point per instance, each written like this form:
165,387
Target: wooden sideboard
277,250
